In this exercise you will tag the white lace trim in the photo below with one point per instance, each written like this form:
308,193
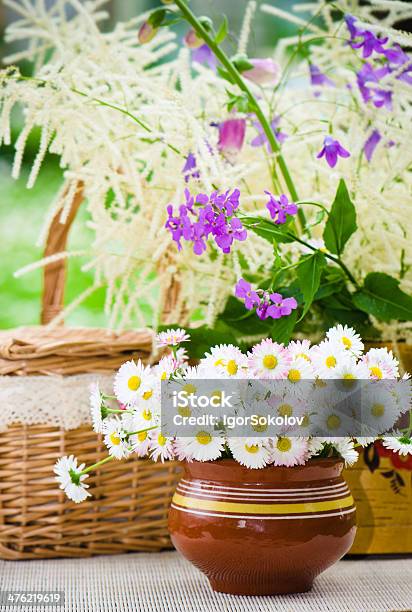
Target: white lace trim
58,401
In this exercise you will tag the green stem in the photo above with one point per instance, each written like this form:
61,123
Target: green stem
238,80
135,433
96,465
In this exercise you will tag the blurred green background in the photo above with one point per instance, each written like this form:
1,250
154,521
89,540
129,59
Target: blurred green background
22,211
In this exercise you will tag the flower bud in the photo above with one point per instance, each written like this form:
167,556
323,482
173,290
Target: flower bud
192,40
231,136
264,72
146,33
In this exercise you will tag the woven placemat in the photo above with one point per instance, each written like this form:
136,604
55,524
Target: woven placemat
166,582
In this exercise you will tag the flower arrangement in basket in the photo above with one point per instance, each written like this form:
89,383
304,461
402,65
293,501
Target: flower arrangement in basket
232,474
269,170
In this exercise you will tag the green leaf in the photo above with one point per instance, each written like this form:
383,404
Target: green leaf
309,273
341,222
381,297
282,328
156,17
224,74
241,62
268,230
222,31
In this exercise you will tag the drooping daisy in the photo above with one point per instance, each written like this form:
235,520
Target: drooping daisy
140,443
115,438
226,359
299,348
381,363
289,451
96,411
161,447
204,446
172,337
326,357
70,478
132,381
401,444
315,445
346,450
365,441
268,359
181,449
347,338
250,452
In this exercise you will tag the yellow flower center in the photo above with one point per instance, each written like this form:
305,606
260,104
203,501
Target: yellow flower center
294,375
285,410
134,383
147,395
189,388
284,445
219,362
184,411
304,356
142,436
231,367
346,342
204,437
330,361
217,393
163,376
251,449
376,371
147,415
333,422
114,439
305,421
161,440
270,362
260,427
378,410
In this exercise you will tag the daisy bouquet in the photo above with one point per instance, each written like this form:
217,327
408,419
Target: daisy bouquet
130,420
270,193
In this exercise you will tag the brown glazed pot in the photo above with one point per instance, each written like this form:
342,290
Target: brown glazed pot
264,531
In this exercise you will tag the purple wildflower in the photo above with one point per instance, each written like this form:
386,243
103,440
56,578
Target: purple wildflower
371,144
243,290
203,216
318,78
350,24
364,39
190,169
204,55
368,80
281,306
261,138
231,135
332,149
265,71
279,209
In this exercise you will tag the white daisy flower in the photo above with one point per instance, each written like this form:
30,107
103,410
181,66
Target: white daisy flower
68,475
226,359
299,370
182,450
115,438
315,445
289,451
381,363
365,441
346,450
347,338
379,411
181,356
96,401
250,452
398,443
205,445
333,421
326,357
268,359
166,367
299,348
287,405
132,381
172,337
161,447
140,443
349,374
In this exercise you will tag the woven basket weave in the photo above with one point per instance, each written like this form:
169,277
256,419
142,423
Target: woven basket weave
128,511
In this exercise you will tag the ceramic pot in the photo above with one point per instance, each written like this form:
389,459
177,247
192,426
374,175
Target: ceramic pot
265,531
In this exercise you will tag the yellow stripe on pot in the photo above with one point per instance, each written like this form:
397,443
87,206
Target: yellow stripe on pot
296,508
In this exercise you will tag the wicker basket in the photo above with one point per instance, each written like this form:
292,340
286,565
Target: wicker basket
128,511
